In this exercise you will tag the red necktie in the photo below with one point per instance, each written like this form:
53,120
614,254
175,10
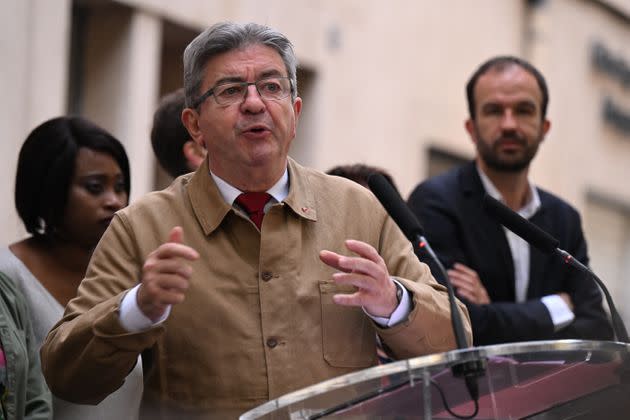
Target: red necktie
254,204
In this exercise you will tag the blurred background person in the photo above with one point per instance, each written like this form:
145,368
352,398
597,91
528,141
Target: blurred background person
176,152
23,391
513,292
72,176
359,173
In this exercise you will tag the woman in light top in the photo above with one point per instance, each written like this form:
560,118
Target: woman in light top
72,177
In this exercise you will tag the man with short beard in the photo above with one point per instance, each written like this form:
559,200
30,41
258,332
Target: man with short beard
513,291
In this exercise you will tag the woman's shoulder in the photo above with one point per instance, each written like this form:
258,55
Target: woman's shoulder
12,302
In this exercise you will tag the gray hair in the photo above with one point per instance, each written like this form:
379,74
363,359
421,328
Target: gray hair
227,36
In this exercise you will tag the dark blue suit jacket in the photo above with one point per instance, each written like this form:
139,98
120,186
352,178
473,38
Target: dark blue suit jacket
450,208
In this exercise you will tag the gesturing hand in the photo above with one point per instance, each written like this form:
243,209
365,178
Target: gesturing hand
376,291
166,275
468,285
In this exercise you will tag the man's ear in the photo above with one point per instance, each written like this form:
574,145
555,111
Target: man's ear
470,127
546,126
194,154
297,107
190,119
297,110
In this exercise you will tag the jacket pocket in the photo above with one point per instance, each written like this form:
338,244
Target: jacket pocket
349,338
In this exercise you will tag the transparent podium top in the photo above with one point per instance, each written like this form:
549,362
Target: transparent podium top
534,380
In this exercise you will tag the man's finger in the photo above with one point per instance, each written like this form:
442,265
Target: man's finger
353,299
358,265
358,280
462,285
171,282
364,250
176,250
176,235
464,269
467,295
459,276
170,266
331,259
171,297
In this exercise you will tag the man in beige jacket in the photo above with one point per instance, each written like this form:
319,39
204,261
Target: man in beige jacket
237,309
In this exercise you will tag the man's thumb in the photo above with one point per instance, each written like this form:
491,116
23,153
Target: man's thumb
176,235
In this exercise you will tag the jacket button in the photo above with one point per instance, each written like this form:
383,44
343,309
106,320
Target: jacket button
266,275
272,342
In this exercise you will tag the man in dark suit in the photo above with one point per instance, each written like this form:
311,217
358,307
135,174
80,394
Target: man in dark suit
513,291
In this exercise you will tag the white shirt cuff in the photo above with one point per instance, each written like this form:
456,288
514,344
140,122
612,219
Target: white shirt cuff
400,313
132,318
561,314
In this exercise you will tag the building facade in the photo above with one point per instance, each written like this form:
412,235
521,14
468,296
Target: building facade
382,83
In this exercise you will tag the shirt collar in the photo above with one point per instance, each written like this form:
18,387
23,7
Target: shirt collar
528,210
278,191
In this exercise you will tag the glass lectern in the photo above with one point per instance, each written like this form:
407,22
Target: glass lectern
567,379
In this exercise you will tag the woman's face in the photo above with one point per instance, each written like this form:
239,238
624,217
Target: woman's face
96,192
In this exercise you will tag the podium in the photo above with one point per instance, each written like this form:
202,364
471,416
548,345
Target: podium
565,379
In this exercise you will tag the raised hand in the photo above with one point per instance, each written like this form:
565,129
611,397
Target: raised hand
376,291
166,275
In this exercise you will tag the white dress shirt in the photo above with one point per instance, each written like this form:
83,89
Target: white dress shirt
561,314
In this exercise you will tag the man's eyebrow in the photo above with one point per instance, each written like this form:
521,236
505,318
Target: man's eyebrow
491,104
229,79
528,102
270,73
239,79
520,102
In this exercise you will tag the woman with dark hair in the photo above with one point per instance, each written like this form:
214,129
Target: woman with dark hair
72,176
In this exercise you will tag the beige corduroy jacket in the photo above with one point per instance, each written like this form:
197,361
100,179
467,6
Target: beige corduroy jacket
258,320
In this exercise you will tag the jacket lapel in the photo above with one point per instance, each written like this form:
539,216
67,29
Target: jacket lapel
486,229
538,260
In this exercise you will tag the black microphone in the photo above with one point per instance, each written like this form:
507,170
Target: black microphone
410,226
395,206
519,225
548,245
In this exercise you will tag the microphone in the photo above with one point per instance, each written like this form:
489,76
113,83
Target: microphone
410,226
519,225
548,245
395,206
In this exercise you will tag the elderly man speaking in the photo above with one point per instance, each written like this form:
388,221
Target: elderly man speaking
253,276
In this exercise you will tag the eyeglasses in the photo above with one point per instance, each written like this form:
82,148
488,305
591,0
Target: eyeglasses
230,93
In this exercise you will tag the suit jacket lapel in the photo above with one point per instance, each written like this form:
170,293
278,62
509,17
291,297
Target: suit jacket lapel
486,229
538,260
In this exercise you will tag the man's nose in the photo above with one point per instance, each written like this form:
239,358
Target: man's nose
253,102
508,122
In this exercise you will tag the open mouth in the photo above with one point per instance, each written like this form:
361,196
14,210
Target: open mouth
256,130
